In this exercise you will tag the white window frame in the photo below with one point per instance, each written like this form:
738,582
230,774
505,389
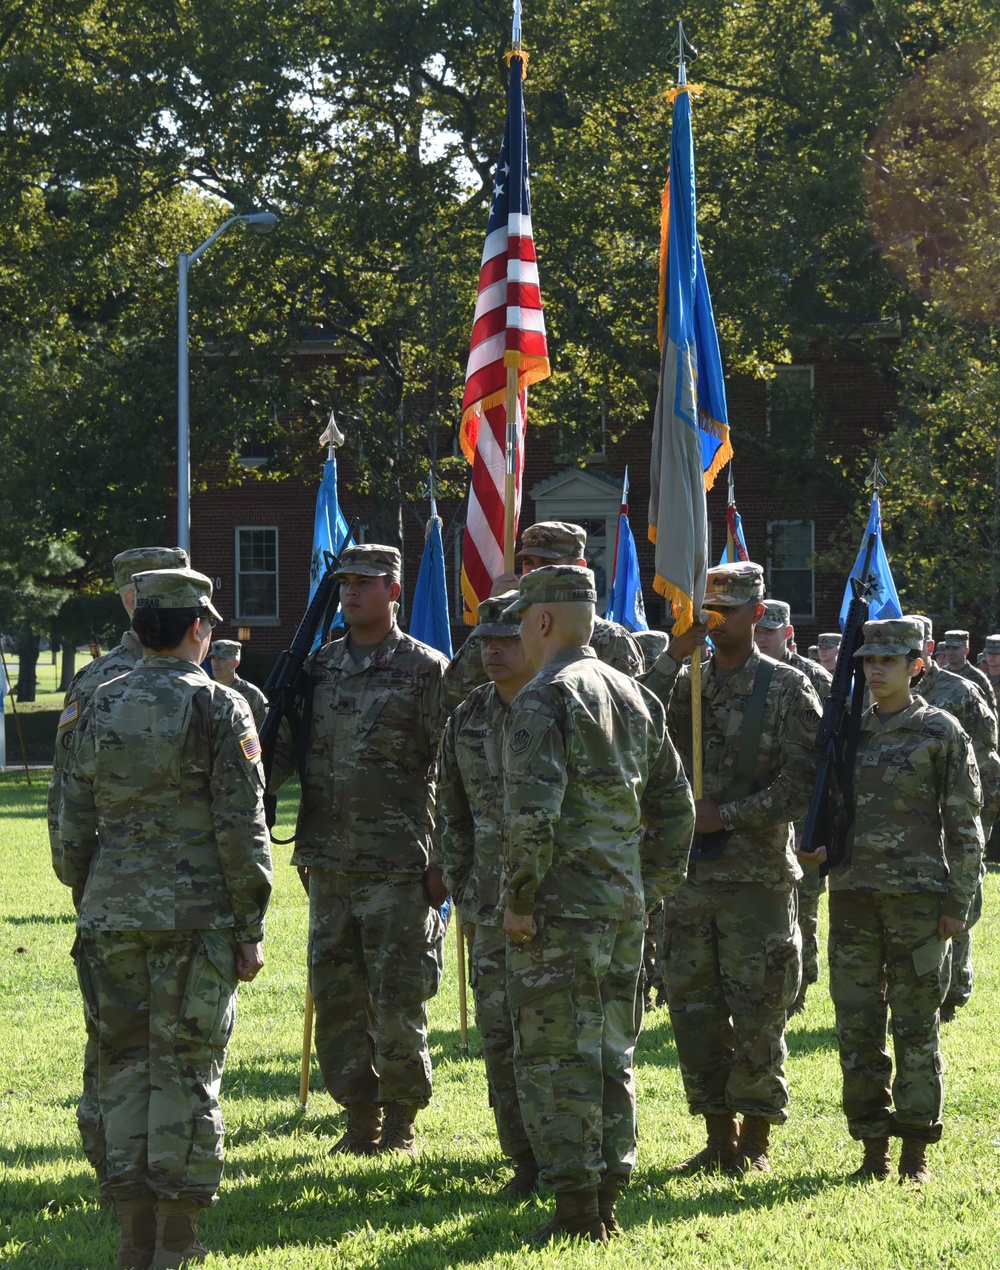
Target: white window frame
603,507
810,566
239,616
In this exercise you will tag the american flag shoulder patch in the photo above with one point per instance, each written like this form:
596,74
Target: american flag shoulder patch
250,745
70,714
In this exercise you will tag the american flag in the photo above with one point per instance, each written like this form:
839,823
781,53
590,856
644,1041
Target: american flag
508,330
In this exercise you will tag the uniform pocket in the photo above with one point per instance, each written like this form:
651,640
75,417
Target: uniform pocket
208,1008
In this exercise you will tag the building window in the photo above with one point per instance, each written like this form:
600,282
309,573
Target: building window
791,576
790,406
586,499
257,574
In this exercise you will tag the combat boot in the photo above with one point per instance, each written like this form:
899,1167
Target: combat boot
947,1012
798,1006
876,1163
751,1150
719,1152
363,1133
577,1215
525,1179
612,1185
177,1241
137,1220
912,1162
398,1132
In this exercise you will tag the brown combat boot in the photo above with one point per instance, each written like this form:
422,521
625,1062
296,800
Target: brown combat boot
577,1215
363,1132
876,1163
751,1150
912,1162
612,1185
525,1179
720,1151
177,1241
398,1132
137,1220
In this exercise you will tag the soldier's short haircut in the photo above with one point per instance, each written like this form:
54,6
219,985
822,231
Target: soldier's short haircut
163,629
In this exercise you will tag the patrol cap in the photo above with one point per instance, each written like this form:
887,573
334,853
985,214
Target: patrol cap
730,585
813,653
829,639
496,618
892,637
554,540
174,589
370,560
225,648
652,644
992,644
956,639
142,559
923,621
554,584
777,616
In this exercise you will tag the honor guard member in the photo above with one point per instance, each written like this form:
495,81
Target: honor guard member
901,894
470,827
165,847
992,652
957,644
119,661
547,543
963,701
771,635
597,827
225,657
362,846
827,648
732,949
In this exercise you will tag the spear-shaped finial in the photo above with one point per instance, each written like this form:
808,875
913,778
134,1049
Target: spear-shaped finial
731,493
876,478
682,77
515,35
332,437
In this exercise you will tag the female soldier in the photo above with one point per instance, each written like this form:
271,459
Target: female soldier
902,892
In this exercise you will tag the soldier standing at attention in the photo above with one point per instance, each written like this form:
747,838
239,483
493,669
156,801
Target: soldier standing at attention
903,891
362,847
119,661
957,644
992,651
470,824
771,635
827,648
597,828
225,657
165,848
732,948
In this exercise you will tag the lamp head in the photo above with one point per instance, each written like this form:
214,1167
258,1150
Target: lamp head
262,222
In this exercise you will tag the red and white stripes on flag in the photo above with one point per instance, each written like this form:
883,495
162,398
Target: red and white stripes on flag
508,330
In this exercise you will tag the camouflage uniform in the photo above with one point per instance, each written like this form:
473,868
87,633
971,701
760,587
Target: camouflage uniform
732,948
375,944
915,857
230,650
255,698
583,745
164,844
972,674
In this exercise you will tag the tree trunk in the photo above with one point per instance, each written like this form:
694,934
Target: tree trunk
68,663
27,657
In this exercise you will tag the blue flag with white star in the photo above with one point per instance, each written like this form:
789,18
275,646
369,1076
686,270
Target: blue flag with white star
884,602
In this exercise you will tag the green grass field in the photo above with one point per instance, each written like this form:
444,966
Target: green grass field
285,1203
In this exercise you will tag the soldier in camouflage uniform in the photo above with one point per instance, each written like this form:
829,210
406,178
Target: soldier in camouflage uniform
957,644
991,665
597,827
962,699
771,635
164,845
903,891
547,543
119,661
470,825
732,948
362,846
827,648
225,658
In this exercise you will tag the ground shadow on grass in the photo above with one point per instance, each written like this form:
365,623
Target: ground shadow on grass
664,1196
30,1156
42,919
810,1040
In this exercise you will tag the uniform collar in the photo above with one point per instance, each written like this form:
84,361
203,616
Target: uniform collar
378,655
570,655
739,681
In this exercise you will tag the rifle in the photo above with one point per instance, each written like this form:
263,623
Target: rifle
830,822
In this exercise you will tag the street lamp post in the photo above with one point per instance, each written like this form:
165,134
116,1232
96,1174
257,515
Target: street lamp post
263,223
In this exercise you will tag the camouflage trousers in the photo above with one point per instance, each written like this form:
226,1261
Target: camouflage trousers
885,958
810,890
573,998
488,980
732,953
958,962
375,960
88,1111
166,1003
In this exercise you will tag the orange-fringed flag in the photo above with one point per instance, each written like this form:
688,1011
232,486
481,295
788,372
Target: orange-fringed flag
508,330
690,428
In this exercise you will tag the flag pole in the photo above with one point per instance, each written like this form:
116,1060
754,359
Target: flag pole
510,469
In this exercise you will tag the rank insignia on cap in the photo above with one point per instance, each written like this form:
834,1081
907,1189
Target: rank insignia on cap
250,745
70,714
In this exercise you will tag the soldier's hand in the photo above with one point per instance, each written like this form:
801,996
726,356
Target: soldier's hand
304,878
811,859
434,887
682,646
249,961
949,926
518,929
706,816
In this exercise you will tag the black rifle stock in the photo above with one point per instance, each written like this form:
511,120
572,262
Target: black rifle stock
830,821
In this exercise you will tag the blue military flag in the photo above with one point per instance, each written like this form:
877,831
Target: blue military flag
885,601
329,526
429,619
625,597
